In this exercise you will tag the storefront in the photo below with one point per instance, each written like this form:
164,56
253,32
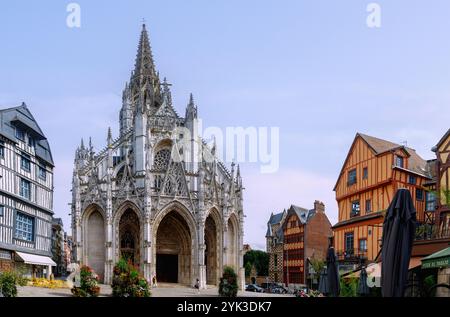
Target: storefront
34,266
439,261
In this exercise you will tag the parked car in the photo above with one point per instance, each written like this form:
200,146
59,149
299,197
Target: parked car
278,290
254,288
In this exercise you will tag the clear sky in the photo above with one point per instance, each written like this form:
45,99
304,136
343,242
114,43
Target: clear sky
312,68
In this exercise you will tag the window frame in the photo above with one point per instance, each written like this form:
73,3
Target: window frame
354,212
20,134
365,173
428,201
346,236
26,234
368,202
359,244
21,189
2,210
25,158
398,159
44,170
419,190
31,141
351,180
412,179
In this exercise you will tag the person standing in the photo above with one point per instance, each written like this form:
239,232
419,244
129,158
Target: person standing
197,286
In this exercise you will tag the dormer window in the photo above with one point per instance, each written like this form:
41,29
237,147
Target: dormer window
20,134
31,141
399,161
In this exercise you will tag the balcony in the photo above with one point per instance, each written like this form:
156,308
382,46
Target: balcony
430,239
352,255
431,232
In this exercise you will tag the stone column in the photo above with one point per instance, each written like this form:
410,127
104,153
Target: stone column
241,253
109,251
148,250
109,218
201,254
225,244
78,254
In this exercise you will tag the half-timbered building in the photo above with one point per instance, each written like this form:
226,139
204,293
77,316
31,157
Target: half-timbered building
294,238
433,234
372,172
26,194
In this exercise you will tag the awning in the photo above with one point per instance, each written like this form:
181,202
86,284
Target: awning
414,262
440,259
36,259
373,270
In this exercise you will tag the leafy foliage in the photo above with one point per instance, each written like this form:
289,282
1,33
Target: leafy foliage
318,266
429,281
248,268
228,286
259,259
8,283
127,282
349,287
88,284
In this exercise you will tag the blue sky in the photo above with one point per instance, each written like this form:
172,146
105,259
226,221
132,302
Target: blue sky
312,68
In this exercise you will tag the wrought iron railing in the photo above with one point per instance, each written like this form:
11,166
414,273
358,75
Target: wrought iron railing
352,255
431,231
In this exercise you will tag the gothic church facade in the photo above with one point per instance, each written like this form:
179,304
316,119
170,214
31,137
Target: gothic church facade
154,195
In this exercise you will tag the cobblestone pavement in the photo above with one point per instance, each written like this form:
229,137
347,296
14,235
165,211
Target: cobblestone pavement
163,290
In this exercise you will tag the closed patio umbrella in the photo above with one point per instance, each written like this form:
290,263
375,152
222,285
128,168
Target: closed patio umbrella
333,273
363,288
323,282
398,235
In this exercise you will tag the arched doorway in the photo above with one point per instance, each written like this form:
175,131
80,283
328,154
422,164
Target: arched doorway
129,241
96,243
173,250
211,251
232,243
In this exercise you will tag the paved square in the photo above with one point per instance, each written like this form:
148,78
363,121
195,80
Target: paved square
163,290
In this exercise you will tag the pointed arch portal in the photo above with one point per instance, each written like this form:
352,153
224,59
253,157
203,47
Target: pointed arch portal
95,236
211,251
173,250
129,237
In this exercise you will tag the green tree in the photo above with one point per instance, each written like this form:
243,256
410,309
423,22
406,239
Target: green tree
318,266
248,268
259,259
228,286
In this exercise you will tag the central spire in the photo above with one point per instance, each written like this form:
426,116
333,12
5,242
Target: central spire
144,79
144,65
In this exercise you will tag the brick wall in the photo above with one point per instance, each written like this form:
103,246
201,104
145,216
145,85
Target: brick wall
318,231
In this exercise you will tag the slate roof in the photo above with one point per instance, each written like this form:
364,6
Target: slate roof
273,220
415,162
21,116
303,214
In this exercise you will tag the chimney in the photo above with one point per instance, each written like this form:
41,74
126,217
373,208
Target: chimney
319,206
